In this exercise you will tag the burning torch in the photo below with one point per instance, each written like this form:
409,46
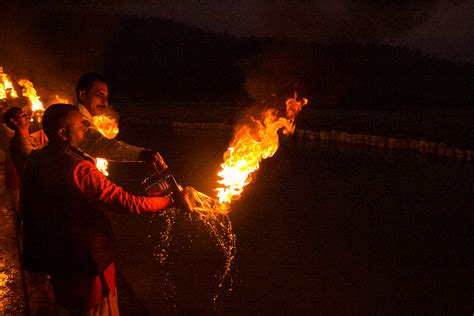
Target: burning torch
36,105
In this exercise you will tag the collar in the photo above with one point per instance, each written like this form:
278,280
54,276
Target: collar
68,149
85,113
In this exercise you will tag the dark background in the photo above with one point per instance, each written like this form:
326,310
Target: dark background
348,57
328,228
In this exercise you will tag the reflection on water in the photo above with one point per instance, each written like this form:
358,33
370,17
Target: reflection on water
326,228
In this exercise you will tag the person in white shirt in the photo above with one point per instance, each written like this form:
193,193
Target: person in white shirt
92,95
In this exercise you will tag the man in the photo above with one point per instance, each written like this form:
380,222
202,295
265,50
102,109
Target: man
20,146
22,142
67,233
92,95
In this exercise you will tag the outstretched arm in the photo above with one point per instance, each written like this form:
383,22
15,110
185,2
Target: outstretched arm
97,188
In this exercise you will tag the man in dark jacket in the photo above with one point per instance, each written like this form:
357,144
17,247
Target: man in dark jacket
67,233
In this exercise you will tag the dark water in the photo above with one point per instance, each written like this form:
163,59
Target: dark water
326,229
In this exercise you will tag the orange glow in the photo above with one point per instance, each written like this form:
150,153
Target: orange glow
251,143
61,100
6,86
102,165
30,92
107,126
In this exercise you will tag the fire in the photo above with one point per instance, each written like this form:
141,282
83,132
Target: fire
61,100
102,165
30,92
6,86
107,126
252,143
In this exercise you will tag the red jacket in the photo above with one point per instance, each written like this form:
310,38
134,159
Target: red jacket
67,233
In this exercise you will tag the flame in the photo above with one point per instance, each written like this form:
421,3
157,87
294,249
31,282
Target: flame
102,165
30,92
107,126
61,100
6,86
252,143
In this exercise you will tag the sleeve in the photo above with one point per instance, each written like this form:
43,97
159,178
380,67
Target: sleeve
97,188
20,149
96,145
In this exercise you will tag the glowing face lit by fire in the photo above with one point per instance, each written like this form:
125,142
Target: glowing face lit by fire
76,129
23,119
96,98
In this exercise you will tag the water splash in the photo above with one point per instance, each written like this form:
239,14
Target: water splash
215,220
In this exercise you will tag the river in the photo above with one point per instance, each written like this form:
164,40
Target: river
325,229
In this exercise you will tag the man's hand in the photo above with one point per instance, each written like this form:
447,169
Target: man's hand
183,199
153,157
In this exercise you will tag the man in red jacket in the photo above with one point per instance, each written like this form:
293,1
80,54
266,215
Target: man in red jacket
67,233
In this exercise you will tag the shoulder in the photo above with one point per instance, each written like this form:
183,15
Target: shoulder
37,159
78,156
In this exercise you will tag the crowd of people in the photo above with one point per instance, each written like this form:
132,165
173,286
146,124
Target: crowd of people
61,200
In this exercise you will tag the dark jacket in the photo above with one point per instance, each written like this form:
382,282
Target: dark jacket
65,233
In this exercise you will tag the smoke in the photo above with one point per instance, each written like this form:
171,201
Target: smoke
345,20
275,74
52,49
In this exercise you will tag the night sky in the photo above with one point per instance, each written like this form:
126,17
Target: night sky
52,42
441,27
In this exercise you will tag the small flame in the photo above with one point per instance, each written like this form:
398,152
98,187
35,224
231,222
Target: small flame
30,92
61,100
102,165
252,143
107,126
6,86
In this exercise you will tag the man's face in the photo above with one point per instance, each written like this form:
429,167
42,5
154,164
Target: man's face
23,120
96,99
76,129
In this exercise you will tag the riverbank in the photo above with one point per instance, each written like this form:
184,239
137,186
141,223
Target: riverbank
429,131
12,300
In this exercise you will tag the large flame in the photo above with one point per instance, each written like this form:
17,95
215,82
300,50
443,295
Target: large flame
107,126
252,143
30,92
102,164
6,86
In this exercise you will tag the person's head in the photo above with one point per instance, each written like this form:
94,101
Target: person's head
92,92
17,118
63,124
